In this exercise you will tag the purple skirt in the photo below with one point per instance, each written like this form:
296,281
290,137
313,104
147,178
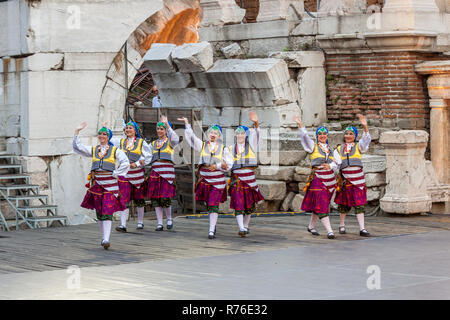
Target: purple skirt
158,187
104,202
317,198
129,191
211,195
352,196
243,197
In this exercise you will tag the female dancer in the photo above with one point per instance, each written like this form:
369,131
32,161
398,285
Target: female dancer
160,187
103,193
322,181
214,161
352,190
243,189
131,185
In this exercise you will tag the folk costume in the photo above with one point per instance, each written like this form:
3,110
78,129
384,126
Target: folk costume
131,185
352,190
161,181
243,189
103,194
211,183
321,183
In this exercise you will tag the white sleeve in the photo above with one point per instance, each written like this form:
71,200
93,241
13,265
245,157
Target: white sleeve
124,164
334,166
227,158
147,152
173,137
337,157
193,141
116,141
364,142
254,138
305,139
80,148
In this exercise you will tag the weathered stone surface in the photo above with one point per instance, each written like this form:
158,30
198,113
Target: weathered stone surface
272,190
249,73
406,173
33,164
268,206
300,59
311,85
280,95
227,117
193,57
233,51
284,173
261,48
159,58
283,158
373,164
373,194
300,177
88,60
375,179
307,27
219,12
303,170
296,203
301,186
188,97
45,61
280,116
280,10
176,80
287,201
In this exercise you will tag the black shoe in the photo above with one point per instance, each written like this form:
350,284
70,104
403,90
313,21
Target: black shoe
169,226
342,230
159,227
313,231
211,235
247,230
105,244
140,226
242,233
364,233
330,235
121,229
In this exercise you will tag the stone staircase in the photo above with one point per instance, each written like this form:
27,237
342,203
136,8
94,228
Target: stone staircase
29,206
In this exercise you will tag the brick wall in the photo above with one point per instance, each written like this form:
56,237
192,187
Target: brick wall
384,86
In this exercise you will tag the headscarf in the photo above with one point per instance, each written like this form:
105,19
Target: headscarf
321,129
162,124
353,129
109,132
243,128
215,127
136,127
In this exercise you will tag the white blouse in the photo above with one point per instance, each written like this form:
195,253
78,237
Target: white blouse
86,151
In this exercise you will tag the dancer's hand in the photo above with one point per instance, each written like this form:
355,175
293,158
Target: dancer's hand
164,120
142,162
80,127
298,120
213,167
184,119
253,118
133,165
363,121
224,165
325,166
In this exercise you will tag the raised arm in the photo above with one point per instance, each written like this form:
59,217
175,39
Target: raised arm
365,140
254,133
193,141
78,147
305,139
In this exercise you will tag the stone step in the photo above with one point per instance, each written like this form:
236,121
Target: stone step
9,187
272,190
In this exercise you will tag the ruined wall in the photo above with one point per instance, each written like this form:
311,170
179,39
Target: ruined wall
384,86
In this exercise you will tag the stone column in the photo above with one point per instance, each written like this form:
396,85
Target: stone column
406,190
410,5
439,91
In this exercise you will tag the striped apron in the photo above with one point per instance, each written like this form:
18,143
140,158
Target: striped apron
107,181
215,178
328,179
165,169
355,176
